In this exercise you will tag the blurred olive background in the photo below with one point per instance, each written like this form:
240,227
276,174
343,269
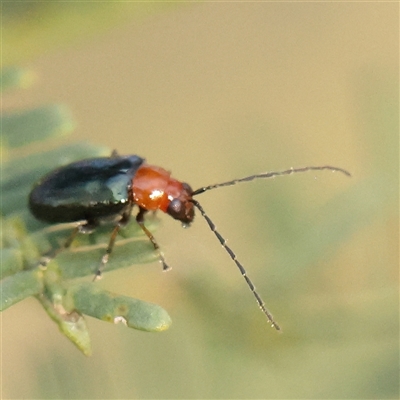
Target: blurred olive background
212,92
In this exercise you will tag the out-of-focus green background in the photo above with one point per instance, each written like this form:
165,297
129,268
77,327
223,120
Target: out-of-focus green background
212,92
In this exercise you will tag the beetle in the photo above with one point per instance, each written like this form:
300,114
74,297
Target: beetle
103,190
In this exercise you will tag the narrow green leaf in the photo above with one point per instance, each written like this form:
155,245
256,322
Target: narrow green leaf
17,287
31,28
12,77
29,126
11,262
89,299
71,324
85,261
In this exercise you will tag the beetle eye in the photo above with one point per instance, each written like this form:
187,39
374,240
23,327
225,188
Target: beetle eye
182,211
175,208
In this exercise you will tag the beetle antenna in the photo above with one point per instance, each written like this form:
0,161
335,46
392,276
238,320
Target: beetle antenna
269,175
250,284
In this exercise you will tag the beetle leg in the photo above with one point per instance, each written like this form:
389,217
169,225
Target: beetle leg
86,228
126,216
104,259
45,259
140,221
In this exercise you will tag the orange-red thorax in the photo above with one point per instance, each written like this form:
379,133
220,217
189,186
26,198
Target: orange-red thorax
153,188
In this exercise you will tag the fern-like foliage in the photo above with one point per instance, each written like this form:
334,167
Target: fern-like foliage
25,240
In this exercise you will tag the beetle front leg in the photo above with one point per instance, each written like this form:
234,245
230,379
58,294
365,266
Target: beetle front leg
140,221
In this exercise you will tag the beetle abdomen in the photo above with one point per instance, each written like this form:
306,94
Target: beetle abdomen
90,189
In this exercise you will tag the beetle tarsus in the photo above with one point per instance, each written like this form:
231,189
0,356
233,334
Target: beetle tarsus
45,260
97,276
165,266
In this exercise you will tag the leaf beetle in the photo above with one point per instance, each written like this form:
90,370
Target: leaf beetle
102,190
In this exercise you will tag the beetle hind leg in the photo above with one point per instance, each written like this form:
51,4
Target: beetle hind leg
86,228
53,253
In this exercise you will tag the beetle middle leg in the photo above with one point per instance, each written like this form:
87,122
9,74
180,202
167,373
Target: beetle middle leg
104,260
106,256
140,221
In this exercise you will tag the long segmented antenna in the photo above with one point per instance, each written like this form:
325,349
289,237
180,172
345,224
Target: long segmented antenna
213,228
269,175
250,284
